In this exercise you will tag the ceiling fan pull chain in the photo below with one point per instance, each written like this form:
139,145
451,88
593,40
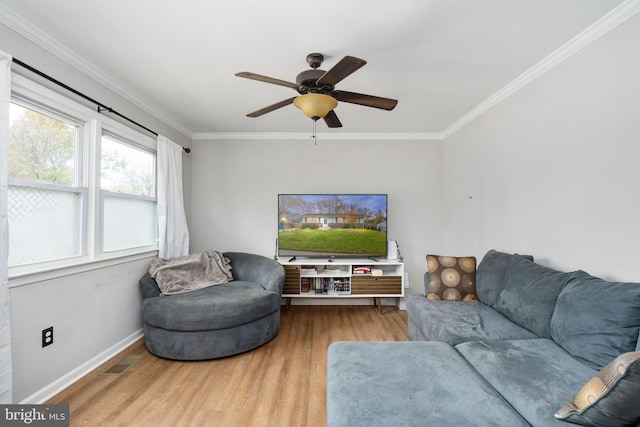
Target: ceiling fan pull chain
315,139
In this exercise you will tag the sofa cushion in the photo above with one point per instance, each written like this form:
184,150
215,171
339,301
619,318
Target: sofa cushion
596,320
489,276
529,293
454,322
452,278
534,376
234,303
610,398
409,384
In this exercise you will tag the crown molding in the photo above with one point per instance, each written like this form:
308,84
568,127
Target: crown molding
599,28
605,24
51,45
319,136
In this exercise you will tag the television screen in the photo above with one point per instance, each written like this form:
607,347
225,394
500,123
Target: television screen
349,225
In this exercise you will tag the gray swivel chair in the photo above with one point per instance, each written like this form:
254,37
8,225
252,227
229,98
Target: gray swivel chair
217,321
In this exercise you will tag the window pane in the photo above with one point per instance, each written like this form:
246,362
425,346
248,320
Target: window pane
41,148
45,218
44,225
128,222
126,169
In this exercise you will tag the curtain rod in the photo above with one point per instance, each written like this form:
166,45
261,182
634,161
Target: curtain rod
101,106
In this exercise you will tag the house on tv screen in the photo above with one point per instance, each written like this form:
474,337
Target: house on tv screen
337,220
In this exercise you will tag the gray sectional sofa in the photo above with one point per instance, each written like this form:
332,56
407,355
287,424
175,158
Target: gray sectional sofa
515,358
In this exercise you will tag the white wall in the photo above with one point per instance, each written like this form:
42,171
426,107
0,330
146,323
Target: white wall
235,186
93,312
553,170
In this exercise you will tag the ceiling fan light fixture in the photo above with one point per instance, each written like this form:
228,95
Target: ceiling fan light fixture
315,105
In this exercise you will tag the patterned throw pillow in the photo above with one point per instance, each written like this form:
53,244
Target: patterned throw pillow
452,278
610,398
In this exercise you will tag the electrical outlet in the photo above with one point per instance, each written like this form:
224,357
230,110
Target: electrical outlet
47,336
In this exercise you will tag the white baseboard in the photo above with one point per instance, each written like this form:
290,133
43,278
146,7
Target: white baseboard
46,393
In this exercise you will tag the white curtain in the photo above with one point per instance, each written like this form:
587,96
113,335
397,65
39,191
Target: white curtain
172,222
6,383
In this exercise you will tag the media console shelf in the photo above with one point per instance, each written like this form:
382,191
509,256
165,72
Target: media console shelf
343,278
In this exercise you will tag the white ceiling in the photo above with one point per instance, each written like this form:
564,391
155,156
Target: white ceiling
439,58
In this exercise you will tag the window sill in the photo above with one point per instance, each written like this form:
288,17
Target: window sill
26,275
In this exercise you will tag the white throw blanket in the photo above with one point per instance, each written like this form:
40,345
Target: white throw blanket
190,272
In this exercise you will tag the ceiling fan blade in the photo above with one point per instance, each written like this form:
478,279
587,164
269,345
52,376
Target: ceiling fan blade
261,78
342,69
271,107
331,119
366,100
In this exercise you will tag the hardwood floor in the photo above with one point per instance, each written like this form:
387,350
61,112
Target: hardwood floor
282,383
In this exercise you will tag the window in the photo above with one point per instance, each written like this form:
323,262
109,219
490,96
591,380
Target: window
81,185
128,195
46,199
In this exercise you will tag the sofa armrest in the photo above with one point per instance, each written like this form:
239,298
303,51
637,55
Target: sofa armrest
258,269
148,287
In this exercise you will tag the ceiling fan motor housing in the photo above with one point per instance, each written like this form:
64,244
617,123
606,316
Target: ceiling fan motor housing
307,81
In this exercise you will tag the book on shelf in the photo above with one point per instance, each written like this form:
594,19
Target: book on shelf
376,272
361,270
321,285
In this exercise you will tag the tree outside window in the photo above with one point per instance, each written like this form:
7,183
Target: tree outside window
41,148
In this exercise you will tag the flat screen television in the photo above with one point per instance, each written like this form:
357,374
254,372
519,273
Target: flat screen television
332,225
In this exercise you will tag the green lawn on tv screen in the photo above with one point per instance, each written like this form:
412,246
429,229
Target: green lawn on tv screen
338,240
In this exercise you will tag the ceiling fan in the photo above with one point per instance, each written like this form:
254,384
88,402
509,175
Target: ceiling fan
318,96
